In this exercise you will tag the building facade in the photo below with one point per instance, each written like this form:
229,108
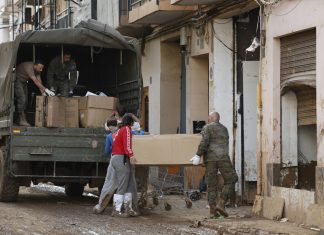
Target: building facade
291,146
194,62
225,56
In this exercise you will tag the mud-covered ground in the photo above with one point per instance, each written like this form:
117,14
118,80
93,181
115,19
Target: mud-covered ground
44,209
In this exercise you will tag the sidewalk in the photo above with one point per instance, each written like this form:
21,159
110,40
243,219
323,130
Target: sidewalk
239,221
256,226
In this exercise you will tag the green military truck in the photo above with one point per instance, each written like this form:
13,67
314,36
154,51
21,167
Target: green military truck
70,157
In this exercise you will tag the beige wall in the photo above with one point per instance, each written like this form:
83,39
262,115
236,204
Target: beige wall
151,72
170,87
197,92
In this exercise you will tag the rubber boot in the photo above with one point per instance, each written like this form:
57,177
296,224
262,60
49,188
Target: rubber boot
22,120
117,206
220,207
100,207
128,205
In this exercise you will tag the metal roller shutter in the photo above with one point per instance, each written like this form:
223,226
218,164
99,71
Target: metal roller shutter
298,58
306,105
297,54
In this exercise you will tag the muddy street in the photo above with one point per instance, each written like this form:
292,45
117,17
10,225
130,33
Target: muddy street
44,209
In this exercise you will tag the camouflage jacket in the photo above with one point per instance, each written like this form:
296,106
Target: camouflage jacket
214,142
60,72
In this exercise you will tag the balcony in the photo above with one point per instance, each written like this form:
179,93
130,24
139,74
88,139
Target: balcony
196,2
156,12
225,8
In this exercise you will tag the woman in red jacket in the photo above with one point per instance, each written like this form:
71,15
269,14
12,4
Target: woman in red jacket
123,162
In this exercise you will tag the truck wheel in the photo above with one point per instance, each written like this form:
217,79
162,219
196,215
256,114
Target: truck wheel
9,186
74,189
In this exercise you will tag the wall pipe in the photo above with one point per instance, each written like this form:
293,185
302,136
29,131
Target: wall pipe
259,109
13,20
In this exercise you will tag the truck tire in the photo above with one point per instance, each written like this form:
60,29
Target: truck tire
9,186
74,189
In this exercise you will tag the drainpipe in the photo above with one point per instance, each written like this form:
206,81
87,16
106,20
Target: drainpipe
259,110
35,15
38,16
235,105
13,20
69,14
183,91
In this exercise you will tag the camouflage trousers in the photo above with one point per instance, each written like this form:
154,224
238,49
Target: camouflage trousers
61,87
213,187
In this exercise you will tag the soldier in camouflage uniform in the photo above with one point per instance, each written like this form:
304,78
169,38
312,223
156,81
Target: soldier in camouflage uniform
214,148
62,75
27,71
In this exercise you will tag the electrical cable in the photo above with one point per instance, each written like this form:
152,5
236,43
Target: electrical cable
239,56
223,43
257,25
288,12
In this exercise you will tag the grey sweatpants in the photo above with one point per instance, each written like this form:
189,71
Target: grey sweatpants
120,178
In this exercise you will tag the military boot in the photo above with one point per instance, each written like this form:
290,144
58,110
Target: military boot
212,211
22,120
100,207
220,207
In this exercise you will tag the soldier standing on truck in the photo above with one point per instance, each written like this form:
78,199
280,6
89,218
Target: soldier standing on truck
214,147
62,75
24,72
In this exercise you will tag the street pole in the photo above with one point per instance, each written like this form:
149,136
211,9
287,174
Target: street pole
13,19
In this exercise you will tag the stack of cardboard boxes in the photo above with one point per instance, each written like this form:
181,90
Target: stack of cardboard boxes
94,110
88,111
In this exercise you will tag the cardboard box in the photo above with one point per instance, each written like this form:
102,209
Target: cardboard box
99,102
39,113
164,150
72,112
50,111
93,117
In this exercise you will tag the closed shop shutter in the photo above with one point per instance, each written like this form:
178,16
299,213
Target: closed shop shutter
297,54
306,105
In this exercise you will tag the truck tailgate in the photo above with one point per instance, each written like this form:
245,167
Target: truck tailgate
58,144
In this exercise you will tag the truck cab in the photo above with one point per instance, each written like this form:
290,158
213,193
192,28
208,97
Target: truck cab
72,157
